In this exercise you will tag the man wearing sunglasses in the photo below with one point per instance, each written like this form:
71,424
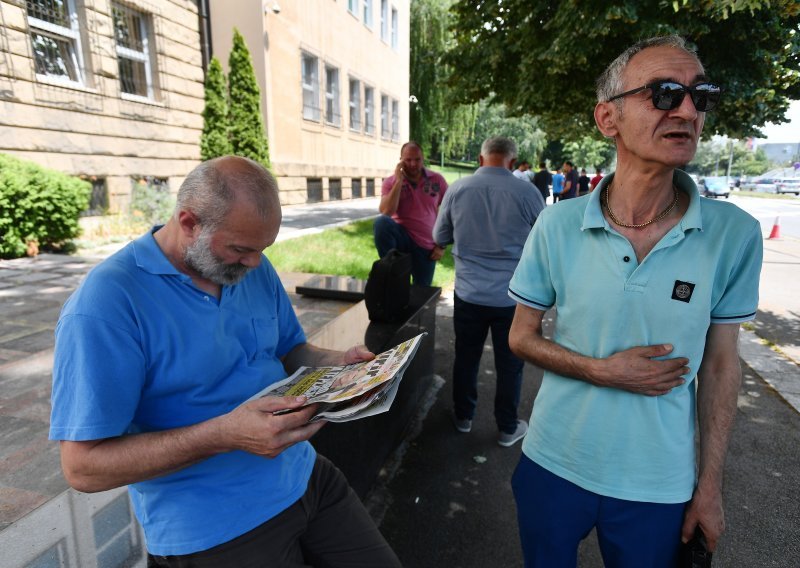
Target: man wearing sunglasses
653,347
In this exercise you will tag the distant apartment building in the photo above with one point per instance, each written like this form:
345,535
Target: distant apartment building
334,78
105,89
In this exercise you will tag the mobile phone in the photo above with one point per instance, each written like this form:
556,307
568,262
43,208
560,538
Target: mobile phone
695,553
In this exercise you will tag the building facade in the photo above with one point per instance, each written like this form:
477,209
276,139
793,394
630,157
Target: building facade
108,90
334,78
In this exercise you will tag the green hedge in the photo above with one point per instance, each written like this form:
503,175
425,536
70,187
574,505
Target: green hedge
38,206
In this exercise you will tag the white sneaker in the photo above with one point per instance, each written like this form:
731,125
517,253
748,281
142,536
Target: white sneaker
463,426
507,440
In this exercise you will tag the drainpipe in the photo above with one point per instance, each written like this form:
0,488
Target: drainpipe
205,32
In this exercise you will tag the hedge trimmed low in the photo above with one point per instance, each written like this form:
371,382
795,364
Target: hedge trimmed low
39,207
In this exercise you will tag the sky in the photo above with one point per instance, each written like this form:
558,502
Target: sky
787,131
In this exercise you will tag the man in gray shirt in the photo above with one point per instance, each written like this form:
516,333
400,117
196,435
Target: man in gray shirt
487,217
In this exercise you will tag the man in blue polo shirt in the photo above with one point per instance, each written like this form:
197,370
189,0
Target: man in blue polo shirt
653,347
155,354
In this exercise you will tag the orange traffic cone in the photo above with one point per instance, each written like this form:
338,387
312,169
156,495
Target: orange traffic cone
776,229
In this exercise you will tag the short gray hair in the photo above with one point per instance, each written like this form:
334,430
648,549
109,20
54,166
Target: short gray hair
208,190
506,147
609,83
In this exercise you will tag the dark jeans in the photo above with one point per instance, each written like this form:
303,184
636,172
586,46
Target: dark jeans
327,527
391,235
472,323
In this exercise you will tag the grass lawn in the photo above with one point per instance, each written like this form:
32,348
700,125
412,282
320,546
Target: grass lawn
344,251
451,173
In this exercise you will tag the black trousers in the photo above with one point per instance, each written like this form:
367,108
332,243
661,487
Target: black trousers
327,527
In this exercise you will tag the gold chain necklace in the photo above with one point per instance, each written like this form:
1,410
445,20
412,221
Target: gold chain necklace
658,217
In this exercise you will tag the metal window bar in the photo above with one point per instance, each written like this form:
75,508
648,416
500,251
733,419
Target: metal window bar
53,11
54,56
130,33
334,189
55,39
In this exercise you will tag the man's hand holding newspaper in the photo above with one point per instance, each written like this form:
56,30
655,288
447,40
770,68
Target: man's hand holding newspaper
349,392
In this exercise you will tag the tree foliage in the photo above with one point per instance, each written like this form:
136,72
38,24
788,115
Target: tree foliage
712,158
590,153
542,58
492,120
245,119
214,141
435,116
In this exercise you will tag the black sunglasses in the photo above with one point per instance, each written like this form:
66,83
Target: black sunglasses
668,95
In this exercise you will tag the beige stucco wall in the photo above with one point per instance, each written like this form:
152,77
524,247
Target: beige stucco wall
300,148
92,129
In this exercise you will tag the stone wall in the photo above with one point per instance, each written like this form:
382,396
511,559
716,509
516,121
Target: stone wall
88,126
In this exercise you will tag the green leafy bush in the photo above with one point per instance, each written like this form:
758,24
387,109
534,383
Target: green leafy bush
39,207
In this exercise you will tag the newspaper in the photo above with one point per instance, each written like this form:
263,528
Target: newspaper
349,392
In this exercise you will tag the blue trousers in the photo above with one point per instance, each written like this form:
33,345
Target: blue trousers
391,235
555,515
472,323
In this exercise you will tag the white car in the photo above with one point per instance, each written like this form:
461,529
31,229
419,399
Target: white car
788,185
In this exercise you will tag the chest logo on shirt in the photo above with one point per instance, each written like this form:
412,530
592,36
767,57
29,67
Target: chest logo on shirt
682,291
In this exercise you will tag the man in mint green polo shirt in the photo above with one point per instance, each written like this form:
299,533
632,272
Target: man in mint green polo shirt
650,347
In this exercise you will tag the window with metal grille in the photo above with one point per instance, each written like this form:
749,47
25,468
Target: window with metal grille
334,189
355,186
98,202
313,190
370,187
310,72
332,114
56,40
355,104
132,38
369,110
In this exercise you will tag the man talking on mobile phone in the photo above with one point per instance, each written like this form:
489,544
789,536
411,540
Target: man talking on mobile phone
410,200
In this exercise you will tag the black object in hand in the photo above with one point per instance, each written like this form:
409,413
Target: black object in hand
695,553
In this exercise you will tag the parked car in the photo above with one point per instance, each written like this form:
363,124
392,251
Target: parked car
788,185
717,186
765,185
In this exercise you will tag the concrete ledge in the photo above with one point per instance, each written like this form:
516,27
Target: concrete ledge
362,448
781,373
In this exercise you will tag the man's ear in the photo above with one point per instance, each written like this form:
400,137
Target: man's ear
188,222
511,164
480,160
605,116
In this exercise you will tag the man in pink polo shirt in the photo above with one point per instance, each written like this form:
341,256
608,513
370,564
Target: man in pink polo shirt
410,200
